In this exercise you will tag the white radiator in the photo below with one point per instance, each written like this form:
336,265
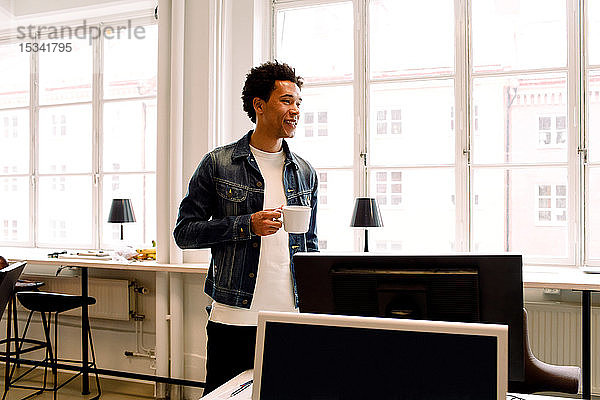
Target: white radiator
112,295
555,335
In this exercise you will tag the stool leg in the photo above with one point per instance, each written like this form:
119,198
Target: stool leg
8,340
94,364
50,355
55,353
16,331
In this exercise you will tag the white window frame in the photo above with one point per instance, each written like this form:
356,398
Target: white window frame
465,118
96,175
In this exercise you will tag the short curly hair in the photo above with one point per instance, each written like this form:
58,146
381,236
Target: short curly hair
260,82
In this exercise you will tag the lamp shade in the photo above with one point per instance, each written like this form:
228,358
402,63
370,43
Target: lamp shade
121,211
366,213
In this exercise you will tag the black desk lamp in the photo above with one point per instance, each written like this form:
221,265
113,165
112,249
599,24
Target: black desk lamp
121,212
366,215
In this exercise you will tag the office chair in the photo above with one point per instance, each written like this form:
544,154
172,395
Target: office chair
543,377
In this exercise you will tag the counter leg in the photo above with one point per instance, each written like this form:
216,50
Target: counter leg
586,347
85,326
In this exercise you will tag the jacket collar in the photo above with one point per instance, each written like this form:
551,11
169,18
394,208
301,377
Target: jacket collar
242,150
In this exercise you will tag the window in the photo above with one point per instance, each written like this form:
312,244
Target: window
81,127
389,122
10,229
312,124
552,131
388,245
510,101
389,188
11,127
59,125
551,206
309,121
322,188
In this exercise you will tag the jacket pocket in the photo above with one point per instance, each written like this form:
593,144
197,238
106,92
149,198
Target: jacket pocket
230,197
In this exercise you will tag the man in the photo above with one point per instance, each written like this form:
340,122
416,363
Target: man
233,205
3,262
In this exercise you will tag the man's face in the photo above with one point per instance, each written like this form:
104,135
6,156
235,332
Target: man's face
281,113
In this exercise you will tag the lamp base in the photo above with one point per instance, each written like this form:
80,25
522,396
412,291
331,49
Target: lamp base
366,240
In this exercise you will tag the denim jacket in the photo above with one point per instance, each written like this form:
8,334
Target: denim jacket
225,190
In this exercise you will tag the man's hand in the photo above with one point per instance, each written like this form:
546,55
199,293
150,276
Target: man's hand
266,222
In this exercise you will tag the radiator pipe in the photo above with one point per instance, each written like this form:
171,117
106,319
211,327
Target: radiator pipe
177,341
162,331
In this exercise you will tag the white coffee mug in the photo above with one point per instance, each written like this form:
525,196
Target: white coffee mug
296,219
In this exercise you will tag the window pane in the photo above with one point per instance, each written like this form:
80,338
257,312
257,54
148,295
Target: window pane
337,103
65,139
593,126
66,77
515,218
333,218
141,189
393,19
545,203
322,33
14,210
593,25
519,34
593,215
545,123
131,62
517,119
130,136
65,211
14,142
14,79
423,218
425,107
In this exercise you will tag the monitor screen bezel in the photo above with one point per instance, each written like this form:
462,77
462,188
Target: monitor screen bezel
500,332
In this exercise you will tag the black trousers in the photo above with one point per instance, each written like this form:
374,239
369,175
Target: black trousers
230,351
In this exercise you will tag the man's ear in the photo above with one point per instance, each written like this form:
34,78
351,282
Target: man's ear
258,105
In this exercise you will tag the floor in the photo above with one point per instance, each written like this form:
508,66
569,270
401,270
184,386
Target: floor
111,389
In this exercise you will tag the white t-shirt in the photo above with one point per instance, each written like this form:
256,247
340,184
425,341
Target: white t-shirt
273,291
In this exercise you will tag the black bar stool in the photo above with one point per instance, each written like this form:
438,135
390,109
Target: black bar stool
47,304
12,329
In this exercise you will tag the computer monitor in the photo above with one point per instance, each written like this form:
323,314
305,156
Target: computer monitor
459,287
310,356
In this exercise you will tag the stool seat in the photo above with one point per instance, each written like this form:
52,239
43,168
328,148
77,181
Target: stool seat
53,302
23,285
